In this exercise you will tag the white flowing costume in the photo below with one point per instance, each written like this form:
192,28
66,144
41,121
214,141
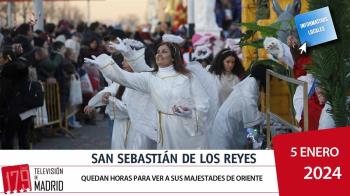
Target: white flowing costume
134,117
129,130
238,112
168,88
225,85
141,133
117,111
96,101
208,84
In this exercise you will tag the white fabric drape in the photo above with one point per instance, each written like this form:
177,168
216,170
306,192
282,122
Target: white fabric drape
168,88
238,112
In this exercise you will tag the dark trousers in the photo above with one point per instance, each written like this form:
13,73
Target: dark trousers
22,128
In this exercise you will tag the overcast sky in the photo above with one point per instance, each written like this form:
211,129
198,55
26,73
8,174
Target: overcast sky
111,10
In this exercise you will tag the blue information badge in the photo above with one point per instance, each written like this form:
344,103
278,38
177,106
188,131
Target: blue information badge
315,27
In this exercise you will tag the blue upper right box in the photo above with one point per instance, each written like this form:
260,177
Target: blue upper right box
315,27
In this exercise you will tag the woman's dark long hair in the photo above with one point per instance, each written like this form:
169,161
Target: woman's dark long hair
119,58
176,54
120,92
218,67
258,72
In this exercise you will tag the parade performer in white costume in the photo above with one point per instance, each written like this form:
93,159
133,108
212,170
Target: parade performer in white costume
227,71
180,99
205,78
116,113
239,112
141,130
134,114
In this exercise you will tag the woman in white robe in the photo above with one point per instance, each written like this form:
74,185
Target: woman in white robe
117,112
227,71
208,84
181,101
126,134
96,101
239,112
140,132
134,126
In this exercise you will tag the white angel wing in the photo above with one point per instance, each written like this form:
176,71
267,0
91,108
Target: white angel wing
209,85
96,101
134,44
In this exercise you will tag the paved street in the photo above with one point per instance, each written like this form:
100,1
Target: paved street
87,137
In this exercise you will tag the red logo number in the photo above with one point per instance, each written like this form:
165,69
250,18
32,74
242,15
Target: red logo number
16,179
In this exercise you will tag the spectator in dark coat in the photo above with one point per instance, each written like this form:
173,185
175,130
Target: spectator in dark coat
15,76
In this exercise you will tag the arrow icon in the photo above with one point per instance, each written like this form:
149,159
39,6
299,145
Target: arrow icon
302,48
